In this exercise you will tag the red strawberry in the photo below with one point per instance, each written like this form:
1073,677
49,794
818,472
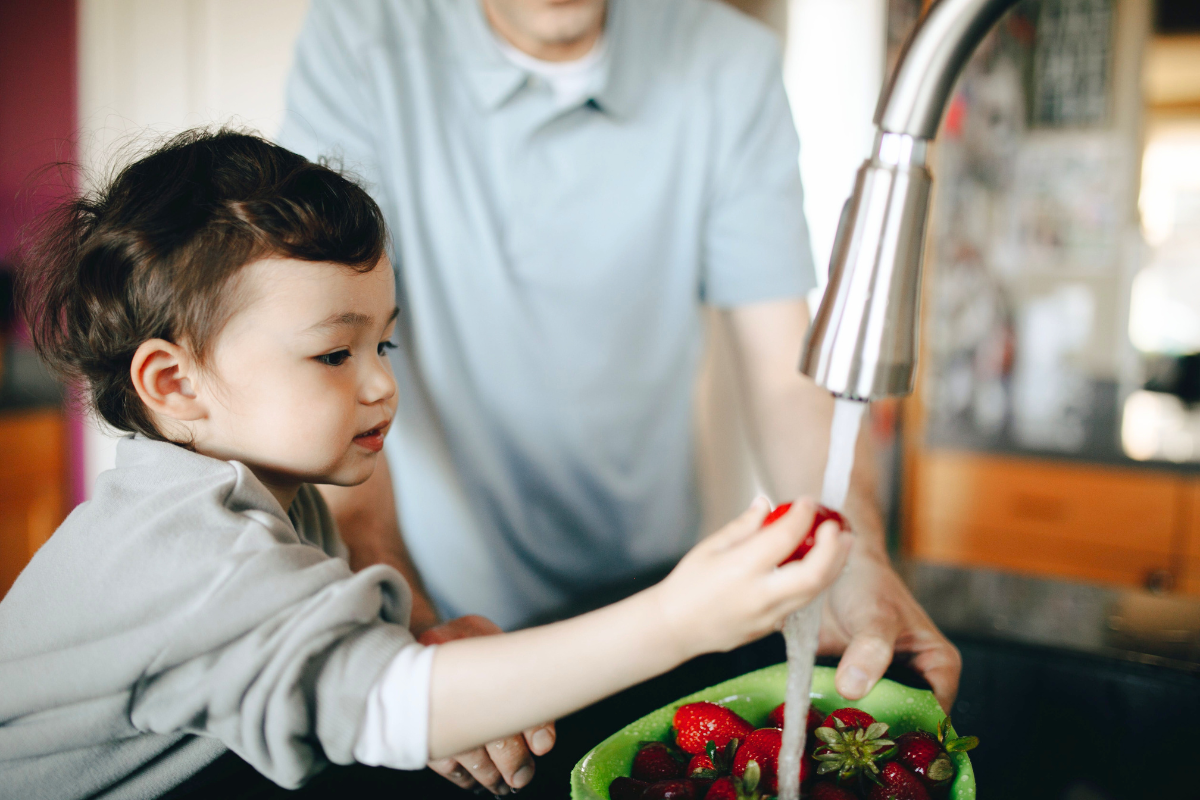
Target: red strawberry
723,789
929,757
850,751
814,722
701,766
897,783
626,789
810,539
850,717
656,762
830,791
697,724
924,756
775,720
672,790
761,747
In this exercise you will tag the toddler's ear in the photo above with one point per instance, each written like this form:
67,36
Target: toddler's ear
160,372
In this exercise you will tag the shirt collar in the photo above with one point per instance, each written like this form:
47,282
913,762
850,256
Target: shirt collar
495,80
492,77
622,84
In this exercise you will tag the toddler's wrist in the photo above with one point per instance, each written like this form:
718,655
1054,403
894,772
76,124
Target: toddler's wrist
666,628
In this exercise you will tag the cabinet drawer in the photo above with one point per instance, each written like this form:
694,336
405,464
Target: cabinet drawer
32,486
1095,523
1191,548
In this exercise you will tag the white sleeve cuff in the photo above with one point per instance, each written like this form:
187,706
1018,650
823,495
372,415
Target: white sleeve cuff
395,727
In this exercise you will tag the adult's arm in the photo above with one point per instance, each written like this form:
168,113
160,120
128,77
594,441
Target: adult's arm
870,614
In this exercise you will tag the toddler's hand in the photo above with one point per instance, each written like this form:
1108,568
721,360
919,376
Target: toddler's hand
729,589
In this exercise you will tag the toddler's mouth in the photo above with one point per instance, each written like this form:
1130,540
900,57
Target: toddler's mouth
373,439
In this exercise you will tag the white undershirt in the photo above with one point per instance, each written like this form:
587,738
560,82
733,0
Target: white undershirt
572,82
395,727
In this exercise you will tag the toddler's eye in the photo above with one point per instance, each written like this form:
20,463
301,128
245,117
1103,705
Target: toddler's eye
334,359
385,346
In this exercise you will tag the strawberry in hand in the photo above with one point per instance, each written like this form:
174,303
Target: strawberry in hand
823,514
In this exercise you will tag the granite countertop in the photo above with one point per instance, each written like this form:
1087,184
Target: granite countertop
1161,629
1101,442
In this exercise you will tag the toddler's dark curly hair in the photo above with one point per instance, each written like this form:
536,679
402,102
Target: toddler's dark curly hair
156,254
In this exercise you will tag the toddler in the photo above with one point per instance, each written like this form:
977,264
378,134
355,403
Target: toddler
230,304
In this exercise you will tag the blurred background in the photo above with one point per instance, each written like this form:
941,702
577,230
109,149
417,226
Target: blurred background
1042,486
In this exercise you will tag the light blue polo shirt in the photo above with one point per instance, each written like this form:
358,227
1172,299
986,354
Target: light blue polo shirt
553,264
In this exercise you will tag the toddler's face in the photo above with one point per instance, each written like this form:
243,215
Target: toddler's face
299,387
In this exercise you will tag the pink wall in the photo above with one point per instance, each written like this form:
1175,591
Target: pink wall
38,127
37,106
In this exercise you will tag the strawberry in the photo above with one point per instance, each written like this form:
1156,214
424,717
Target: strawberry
852,717
672,790
701,766
897,783
697,724
924,757
761,747
775,720
810,538
850,751
928,757
656,762
723,789
626,789
830,791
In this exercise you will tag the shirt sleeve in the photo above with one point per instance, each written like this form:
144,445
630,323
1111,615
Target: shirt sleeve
277,660
756,244
395,727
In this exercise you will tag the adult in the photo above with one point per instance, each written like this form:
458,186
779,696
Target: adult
569,183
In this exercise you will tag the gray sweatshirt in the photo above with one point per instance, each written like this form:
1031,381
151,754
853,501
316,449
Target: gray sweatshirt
179,613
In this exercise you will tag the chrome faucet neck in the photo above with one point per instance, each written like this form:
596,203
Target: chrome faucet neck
899,150
863,340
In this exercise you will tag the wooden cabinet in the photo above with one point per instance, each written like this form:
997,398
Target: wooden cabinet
1190,562
33,496
1097,523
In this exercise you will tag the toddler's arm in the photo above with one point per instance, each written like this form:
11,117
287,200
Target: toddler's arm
725,592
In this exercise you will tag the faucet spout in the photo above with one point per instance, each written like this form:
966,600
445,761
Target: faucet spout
863,340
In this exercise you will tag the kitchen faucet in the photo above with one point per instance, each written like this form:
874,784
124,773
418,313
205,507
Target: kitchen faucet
863,341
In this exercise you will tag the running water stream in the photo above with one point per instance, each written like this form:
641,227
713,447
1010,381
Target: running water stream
802,627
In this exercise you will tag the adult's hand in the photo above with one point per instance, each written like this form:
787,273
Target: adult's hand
502,765
870,613
869,616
